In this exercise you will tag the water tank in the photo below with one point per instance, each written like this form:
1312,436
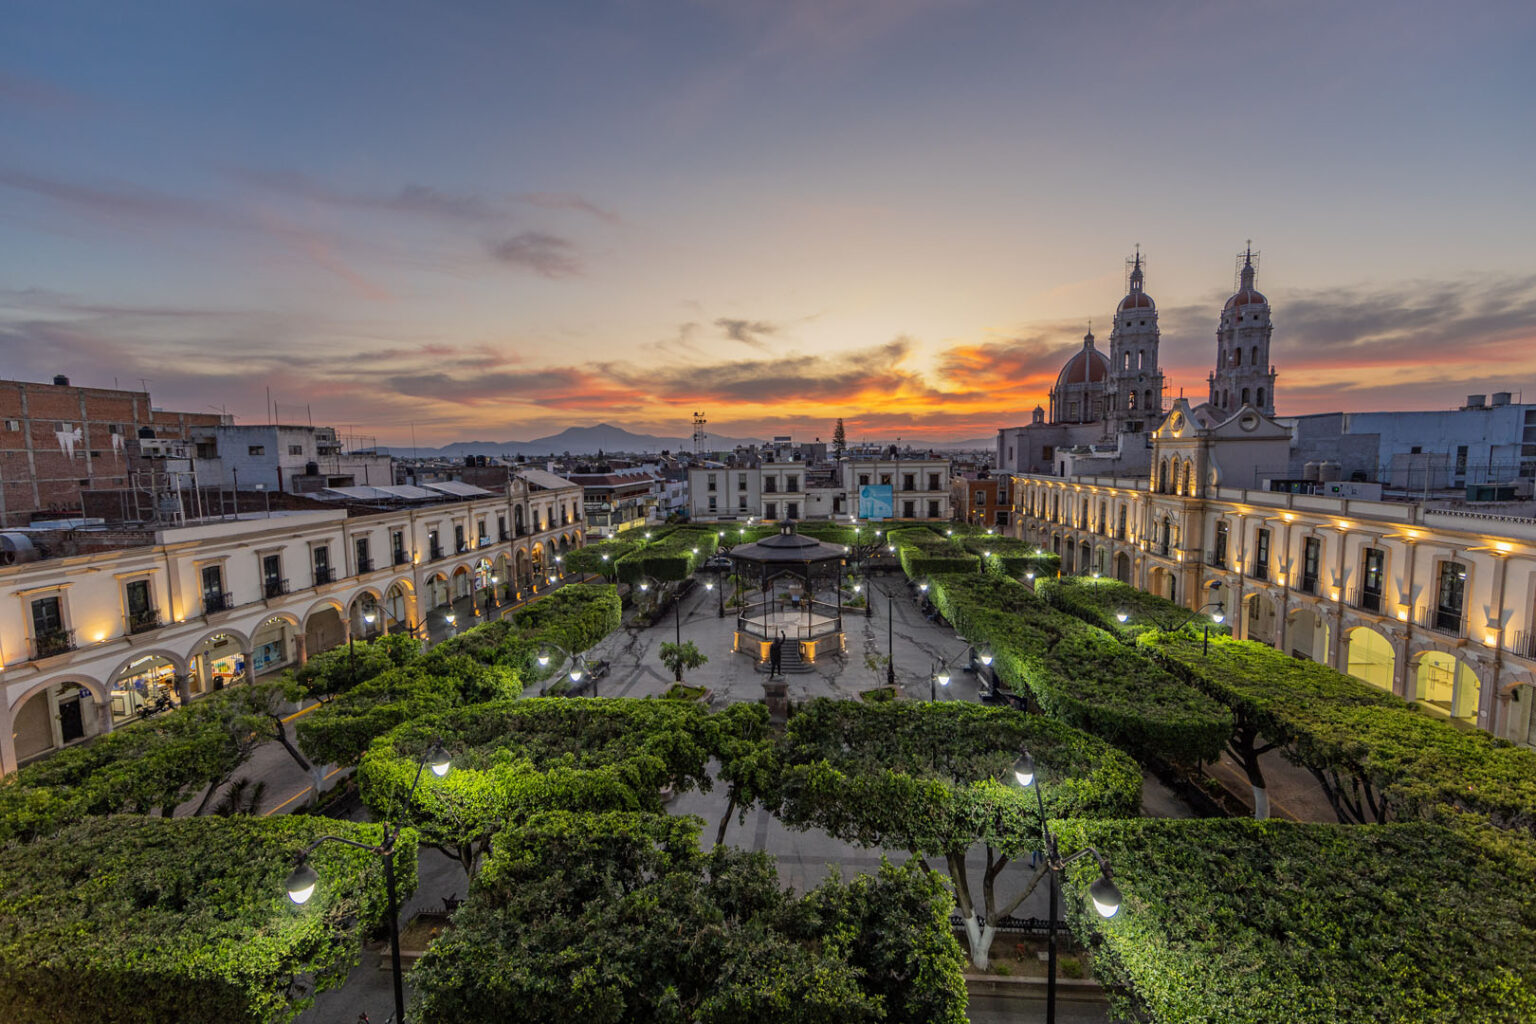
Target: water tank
1309,471
16,548
1501,398
1475,401
60,380
1327,471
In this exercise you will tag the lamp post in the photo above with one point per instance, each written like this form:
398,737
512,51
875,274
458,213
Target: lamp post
937,678
1103,892
490,595
304,879
890,641
677,606
579,667
1218,616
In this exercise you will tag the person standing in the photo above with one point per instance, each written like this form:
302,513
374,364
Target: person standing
776,656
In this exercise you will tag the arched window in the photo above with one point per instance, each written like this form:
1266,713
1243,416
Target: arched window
1131,400
1245,396
1189,478
1148,403
1125,361
1261,398
1141,359
1237,357
1253,357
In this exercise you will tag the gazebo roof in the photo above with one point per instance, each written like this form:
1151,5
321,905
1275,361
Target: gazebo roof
787,548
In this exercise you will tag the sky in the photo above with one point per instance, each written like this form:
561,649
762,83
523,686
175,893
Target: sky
432,222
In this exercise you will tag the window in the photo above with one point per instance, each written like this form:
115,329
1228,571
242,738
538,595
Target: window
434,547
256,449
137,598
13,424
863,479
272,582
295,449
1120,531
741,482
1261,555
909,510
322,556
47,617
1047,453
770,485
711,502
1452,596
978,498
397,544
741,505
1372,577
885,479
792,510
1311,560
711,482
771,510
501,526
213,582
481,535
1461,460
792,483
933,509
1237,357
1417,449
458,537
1219,556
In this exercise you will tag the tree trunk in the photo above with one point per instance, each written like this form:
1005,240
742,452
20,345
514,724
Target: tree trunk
978,934
202,804
725,820
282,737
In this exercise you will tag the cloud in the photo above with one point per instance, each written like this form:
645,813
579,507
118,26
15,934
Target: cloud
37,95
542,253
123,202
568,201
411,198
748,332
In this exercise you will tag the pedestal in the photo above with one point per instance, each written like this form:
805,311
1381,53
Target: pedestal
776,696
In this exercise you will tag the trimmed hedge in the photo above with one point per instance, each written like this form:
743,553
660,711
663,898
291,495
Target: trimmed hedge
1377,757
1098,602
589,557
1082,675
621,919
511,758
671,558
1248,922
187,919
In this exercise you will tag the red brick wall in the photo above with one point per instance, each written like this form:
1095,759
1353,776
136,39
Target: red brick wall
37,474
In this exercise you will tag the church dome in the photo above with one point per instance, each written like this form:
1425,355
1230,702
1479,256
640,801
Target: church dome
1247,294
1137,300
1087,366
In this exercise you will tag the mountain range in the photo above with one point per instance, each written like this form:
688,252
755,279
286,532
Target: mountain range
604,437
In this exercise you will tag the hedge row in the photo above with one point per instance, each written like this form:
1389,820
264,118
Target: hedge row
1082,675
1377,757
486,662
1100,602
924,553
1249,922
670,558
152,920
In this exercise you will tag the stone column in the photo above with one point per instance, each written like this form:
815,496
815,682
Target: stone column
250,665
301,648
1399,640
7,745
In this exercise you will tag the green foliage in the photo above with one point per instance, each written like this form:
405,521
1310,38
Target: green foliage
143,768
1377,757
486,663
1098,602
620,918
1082,675
923,553
337,670
672,558
339,732
682,691
935,778
145,920
511,758
678,657
589,559
1249,922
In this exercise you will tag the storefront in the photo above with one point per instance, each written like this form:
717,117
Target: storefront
146,683
272,648
218,662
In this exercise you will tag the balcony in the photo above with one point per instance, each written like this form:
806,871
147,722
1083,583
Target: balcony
400,557
58,641
143,622
1366,600
1525,645
364,565
1308,585
1216,559
274,587
324,574
1450,621
503,536
434,553
216,601
460,547
1260,570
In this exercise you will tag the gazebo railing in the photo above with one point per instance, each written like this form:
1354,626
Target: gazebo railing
827,619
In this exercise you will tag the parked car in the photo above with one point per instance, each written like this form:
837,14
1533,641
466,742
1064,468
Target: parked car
718,563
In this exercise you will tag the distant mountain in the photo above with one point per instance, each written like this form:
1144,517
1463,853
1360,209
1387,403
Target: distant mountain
604,437
985,443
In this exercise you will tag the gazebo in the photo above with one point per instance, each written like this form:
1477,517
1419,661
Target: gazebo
815,626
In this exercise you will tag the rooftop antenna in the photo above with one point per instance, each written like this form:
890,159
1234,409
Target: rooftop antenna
698,432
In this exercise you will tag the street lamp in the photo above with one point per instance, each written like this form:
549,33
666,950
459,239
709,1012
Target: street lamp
303,881
938,677
1104,894
451,618
578,668
1218,617
677,605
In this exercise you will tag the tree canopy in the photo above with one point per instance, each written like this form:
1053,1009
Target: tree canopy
620,918
148,920
1247,922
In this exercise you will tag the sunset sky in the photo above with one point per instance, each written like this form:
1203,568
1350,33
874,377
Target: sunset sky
494,220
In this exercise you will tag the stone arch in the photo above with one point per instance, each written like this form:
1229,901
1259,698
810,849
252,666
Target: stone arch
220,657
1372,657
461,581
399,604
1260,621
1307,634
1518,720
1162,582
435,593
1445,684
323,627
143,678
51,714
1123,567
